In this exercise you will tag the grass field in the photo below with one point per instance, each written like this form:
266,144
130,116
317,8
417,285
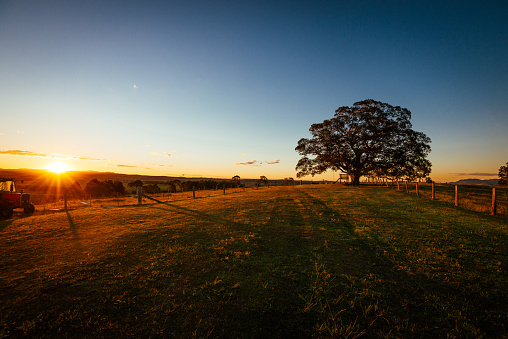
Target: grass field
303,261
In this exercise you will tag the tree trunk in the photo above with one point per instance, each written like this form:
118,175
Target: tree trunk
355,179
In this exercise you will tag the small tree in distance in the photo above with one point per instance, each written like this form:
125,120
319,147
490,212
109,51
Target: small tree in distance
263,180
135,183
503,175
236,180
289,181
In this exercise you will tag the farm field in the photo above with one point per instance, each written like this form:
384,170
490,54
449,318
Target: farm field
302,261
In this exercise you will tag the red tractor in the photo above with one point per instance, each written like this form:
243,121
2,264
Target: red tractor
11,199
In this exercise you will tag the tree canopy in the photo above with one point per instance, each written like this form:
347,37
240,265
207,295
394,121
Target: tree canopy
503,175
369,138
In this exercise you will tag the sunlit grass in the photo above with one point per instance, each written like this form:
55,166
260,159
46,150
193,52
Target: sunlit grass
309,261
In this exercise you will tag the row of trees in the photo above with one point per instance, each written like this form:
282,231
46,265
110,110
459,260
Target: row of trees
97,188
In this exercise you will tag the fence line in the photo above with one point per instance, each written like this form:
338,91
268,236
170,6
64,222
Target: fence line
481,198
485,199
46,203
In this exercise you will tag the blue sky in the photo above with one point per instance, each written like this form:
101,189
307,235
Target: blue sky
224,88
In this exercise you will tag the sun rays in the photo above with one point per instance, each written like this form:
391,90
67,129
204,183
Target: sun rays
58,167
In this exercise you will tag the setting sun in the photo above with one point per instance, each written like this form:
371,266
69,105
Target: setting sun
58,167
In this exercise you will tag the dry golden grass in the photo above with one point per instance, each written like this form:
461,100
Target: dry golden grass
304,261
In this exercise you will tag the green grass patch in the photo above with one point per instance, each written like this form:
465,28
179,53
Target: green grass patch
303,261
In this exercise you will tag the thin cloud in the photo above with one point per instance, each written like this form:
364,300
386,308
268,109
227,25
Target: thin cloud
23,153
249,163
165,154
43,155
94,159
125,166
273,162
478,174
258,163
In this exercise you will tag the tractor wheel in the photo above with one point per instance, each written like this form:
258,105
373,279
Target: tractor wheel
30,209
6,211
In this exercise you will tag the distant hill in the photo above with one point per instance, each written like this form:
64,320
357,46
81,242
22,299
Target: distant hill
40,178
36,174
475,182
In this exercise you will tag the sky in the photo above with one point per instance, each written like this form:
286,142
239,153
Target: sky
224,88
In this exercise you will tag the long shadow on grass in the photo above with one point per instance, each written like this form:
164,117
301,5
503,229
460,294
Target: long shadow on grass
74,231
310,274
256,311
4,224
192,213
409,303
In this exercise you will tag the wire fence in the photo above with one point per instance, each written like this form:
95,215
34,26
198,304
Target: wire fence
48,203
479,198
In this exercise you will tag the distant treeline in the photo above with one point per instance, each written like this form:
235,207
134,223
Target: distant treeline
109,188
179,186
96,188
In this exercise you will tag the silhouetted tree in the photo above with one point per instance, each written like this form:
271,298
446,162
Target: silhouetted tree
115,186
135,183
171,187
151,189
176,184
288,181
503,175
369,138
98,188
236,180
76,191
263,180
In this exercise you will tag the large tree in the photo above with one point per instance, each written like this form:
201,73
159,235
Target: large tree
503,175
369,138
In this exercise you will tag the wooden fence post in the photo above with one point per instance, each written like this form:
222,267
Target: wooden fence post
140,196
417,192
398,185
433,192
493,201
193,192
224,188
407,190
456,195
65,200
